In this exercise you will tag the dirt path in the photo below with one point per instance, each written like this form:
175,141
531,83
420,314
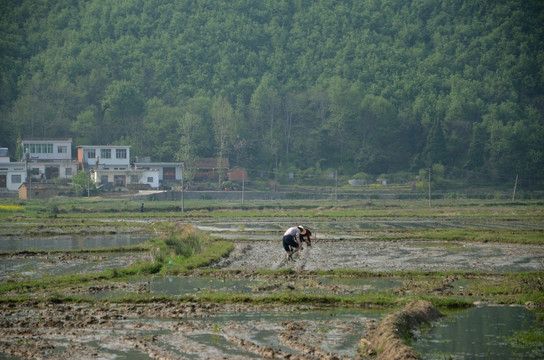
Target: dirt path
389,256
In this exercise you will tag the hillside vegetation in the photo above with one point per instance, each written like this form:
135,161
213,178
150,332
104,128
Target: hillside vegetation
355,86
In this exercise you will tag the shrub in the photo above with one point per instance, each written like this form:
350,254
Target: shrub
187,246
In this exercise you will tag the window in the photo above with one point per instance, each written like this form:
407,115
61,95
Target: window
68,171
150,179
91,154
39,148
62,149
103,179
121,153
15,179
105,153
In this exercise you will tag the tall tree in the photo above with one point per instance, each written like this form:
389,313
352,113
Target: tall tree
123,110
224,127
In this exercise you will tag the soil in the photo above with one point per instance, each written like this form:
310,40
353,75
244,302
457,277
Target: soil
163,330
180,330
388,340
395,255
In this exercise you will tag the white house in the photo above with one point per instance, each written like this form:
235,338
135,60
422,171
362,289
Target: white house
103,157
12,174
169,173
49,158
111,164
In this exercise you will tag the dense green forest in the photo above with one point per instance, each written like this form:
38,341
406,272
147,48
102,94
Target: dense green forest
366,86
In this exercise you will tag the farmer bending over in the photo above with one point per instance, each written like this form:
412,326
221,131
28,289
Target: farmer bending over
305,236
292,240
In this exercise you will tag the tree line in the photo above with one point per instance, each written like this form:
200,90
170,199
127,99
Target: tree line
375,87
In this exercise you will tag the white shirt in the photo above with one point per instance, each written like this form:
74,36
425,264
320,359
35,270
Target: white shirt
293,231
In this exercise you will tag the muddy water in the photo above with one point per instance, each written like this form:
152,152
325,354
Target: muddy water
351,224
18,267
485,332
389,256
192,331
172,331
71,242
189,285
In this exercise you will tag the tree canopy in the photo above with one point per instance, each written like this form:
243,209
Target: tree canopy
374,86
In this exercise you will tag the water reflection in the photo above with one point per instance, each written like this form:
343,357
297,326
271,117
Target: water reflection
71,242
481,332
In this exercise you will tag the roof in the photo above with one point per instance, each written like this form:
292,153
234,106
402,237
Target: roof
211,163
47,139
103,146
162,164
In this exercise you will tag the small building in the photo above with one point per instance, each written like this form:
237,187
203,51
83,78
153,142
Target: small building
169,174
29,190
103,157
208,169
48,158
47,149
12,174
136,179
237,174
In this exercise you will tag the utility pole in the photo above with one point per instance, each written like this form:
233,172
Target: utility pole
243,184
336,186
29,176
515,186
429,187
182,188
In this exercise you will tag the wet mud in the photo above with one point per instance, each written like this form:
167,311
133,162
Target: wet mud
184,330
388,340
24,265
171,330
394,255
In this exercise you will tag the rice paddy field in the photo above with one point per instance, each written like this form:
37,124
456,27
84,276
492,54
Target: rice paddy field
98,279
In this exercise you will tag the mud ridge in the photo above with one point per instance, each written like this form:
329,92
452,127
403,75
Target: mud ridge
388,340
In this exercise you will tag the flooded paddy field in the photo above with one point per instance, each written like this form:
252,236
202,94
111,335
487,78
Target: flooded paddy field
182,331
70,242
251,303
171,330
397,255
23,266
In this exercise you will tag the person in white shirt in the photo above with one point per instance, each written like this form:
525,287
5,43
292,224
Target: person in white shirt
292,241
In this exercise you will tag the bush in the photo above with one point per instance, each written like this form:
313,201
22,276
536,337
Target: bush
187,246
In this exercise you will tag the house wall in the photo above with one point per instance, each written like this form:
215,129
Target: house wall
48,149
38,191
153,176
237,174
160,167
11,172
125,178
87,156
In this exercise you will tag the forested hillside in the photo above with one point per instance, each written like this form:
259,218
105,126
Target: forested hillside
351,85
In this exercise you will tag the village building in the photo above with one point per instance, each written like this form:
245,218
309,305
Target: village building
110,164
12,174
169,174
209,169
48,158
238,175
29,190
